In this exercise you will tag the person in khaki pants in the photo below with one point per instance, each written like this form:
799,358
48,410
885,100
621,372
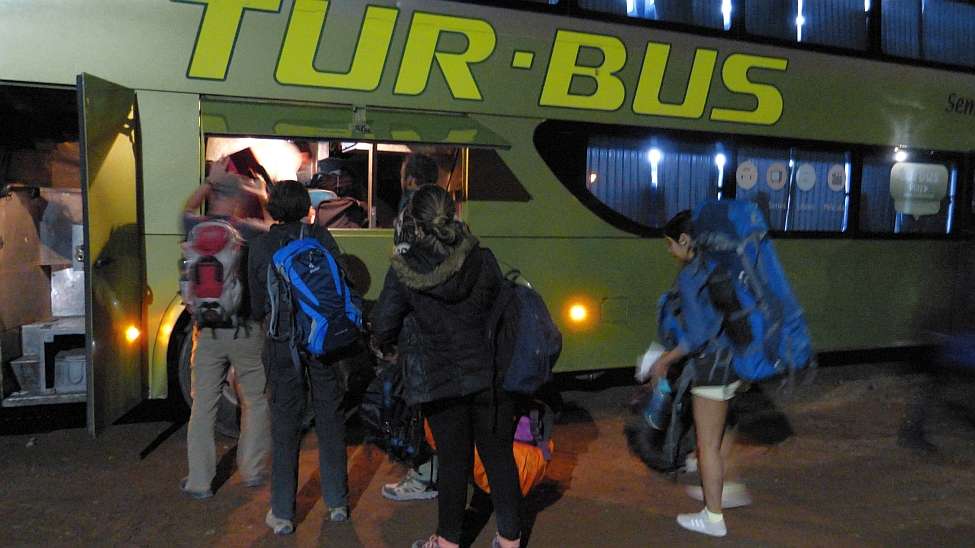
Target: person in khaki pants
215,349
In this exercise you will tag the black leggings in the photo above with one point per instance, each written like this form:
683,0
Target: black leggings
458,424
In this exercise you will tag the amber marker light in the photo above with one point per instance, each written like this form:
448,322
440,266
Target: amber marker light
578,313
132,333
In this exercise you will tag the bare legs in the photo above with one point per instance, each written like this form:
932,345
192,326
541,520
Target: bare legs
709,422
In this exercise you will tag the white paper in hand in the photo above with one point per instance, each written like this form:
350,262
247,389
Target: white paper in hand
645,361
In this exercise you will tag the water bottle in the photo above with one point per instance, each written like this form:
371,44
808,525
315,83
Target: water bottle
657,411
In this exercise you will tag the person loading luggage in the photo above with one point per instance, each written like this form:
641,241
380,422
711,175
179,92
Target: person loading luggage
450,284
288,205
223,336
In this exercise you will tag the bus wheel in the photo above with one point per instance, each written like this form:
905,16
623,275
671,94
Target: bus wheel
228,410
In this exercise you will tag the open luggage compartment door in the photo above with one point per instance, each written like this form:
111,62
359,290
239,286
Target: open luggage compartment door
113,251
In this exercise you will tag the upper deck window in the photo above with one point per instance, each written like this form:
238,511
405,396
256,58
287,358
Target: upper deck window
840,23
931,30
714,14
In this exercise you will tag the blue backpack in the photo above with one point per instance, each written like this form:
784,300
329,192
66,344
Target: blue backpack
311,304
526,341
731,236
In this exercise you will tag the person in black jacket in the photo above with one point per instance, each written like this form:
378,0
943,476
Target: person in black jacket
288,205
449,283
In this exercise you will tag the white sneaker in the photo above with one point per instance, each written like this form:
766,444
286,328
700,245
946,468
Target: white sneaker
699,523
733,494
280,526
409,488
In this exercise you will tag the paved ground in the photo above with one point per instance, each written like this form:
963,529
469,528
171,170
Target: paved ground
839,479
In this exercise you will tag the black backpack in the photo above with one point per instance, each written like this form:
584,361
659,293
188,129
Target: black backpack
526,341
391,424
666,450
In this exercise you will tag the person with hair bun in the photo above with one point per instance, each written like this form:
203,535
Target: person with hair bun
449,284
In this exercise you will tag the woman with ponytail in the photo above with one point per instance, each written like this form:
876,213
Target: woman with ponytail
449,283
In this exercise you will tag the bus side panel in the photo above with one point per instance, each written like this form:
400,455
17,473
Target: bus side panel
162,275
171,156
171,160
872,293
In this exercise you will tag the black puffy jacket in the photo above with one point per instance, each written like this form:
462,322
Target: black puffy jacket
451,299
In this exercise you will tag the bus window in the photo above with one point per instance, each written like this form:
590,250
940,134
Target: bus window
352,184
389,191
906,192
798,190
715,14
840,23
932,30
491,180
649,180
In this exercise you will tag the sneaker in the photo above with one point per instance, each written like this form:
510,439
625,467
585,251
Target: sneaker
499,542
432,542
733,494
253,482
196,495
278,525
409,488
700,523
339,513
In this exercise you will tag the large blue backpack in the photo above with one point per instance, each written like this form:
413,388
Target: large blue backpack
731,237
311,303
526,341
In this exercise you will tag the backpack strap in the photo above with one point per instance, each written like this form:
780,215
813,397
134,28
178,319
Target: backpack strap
675,430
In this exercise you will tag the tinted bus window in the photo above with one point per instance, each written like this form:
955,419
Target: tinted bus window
798,190
489,179
840,23
650,180
715,14
907,197
932,30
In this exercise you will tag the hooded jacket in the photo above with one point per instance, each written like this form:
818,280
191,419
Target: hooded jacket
450,297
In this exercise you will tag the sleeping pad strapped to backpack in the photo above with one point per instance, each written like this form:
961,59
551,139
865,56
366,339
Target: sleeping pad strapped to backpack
731,238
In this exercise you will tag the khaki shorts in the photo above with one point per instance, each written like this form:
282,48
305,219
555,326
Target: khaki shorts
717,392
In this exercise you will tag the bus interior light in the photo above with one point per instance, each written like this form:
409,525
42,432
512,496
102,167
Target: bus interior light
654,155
800,20
900,155
720,160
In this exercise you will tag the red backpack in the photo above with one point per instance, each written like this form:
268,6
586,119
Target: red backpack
211,286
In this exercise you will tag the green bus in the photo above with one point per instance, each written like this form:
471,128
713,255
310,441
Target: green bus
569,130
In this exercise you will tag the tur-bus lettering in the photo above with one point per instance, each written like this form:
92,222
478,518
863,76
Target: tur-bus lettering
221,21
296,63
610,92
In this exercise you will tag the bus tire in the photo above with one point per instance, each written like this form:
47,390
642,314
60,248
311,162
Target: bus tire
228,409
